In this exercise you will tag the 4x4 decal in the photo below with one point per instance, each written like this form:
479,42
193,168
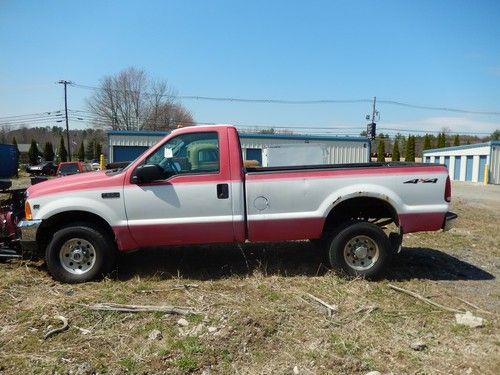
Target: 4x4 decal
422,180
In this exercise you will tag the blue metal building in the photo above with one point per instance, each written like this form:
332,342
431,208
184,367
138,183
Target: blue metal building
468,162
128,145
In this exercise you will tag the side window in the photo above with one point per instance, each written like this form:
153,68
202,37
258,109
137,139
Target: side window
188,153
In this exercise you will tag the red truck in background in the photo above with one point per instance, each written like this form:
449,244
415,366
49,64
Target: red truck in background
193,188
72,167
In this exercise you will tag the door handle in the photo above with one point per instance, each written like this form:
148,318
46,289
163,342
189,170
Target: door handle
222,191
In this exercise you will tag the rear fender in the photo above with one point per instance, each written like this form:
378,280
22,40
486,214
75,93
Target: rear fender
361,191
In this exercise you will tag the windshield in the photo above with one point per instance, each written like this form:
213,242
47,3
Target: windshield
69,169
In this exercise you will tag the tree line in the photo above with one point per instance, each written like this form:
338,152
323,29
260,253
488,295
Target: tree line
93,151
411,146
49,143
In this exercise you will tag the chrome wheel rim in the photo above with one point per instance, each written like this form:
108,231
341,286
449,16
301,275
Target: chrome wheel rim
77,256
361,253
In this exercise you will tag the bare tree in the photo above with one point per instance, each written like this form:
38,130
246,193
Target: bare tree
132,101
168,116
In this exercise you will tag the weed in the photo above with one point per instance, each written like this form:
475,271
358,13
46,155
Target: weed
186,363
128,364
344,347
194,318
191,345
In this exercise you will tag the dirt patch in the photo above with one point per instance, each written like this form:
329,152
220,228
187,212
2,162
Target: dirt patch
255,316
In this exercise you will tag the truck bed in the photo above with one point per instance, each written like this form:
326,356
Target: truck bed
296,201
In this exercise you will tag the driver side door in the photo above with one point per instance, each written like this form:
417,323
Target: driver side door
191,205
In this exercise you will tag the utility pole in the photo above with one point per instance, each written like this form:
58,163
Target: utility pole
372,126
65,83
374,110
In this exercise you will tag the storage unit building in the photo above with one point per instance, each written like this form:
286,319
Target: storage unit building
127,145
468,162
336,149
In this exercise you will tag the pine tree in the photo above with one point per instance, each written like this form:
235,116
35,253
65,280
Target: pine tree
14,142
410,149
48,151
441,140
381,151
427,142
403,144
395,151
456,140
63,154
33,153
97,151
89,150
81,152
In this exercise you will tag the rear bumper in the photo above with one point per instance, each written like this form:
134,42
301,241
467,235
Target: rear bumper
449,220
28,230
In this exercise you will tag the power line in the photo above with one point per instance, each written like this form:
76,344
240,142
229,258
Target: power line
306,102
30,115
90,119
447,109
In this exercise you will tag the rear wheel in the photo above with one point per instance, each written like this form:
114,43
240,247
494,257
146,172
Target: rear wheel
79,253
359,249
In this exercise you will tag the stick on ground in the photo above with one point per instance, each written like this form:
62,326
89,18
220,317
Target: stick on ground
476,307
57,330
142,308
426,300
177,287
330,308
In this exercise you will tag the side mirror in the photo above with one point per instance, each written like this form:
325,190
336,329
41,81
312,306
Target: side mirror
148,173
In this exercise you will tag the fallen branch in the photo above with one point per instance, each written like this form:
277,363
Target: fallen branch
368,310
475,307
330,308
57,330
141,308
426,300
185,286
177,287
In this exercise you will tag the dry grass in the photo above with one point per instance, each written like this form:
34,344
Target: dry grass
253,300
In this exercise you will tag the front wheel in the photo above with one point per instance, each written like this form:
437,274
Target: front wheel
79,253
359,249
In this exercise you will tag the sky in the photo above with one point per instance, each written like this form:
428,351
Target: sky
427,53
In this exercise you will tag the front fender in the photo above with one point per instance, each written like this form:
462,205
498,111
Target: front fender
111,211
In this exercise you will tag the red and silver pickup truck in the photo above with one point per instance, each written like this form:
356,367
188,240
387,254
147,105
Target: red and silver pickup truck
193,188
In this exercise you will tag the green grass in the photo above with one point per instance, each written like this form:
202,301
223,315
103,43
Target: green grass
129,364
186,363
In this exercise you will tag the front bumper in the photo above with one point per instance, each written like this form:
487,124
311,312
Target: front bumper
449,221
28,230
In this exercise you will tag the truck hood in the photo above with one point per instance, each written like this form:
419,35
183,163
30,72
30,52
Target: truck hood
76,182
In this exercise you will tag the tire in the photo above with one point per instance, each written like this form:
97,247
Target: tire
359,249
395,240
79,253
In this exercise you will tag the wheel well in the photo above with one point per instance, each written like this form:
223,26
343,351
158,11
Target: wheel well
58,221
363,208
